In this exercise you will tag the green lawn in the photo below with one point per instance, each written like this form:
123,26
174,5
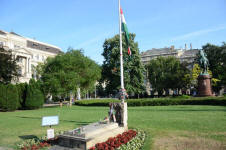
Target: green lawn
168,127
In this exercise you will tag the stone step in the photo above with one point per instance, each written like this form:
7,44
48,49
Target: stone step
90,132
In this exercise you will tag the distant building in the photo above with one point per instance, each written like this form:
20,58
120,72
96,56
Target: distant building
28,52
183,55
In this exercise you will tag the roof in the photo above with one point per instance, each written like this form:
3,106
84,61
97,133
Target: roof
31,43
43,47
190,53
159,51
2,32
15,34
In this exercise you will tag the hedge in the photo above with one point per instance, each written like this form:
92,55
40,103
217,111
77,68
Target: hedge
22,89
218,101
34,96
95,102
9,98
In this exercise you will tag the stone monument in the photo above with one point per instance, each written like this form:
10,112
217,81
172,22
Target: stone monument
87,136
204,79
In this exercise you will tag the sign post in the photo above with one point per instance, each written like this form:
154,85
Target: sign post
50,121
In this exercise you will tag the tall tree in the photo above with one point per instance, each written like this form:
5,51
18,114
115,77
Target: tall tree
166,73
133,68
68,71
8,66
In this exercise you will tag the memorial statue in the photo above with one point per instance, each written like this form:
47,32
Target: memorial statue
203,62
112,113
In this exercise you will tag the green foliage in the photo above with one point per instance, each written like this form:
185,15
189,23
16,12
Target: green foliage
96,102
136,143
8,67
34,96
68,71
9,98
22,90
196,72
166,73
158,101
133,68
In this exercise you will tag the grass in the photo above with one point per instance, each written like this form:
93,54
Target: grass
168,127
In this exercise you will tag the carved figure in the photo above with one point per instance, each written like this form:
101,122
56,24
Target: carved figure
203,62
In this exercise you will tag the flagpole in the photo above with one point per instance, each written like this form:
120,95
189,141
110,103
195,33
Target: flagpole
121,54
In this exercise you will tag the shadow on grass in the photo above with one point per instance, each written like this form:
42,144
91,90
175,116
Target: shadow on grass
27,137
79,123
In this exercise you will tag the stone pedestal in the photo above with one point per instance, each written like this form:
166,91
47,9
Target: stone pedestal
204,85
87,136
121,114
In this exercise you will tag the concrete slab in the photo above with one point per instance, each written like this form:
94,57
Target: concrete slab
87,136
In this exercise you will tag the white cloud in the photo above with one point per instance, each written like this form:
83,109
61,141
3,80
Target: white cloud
198,33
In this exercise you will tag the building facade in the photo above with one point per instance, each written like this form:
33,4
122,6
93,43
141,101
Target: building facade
28,52
183,55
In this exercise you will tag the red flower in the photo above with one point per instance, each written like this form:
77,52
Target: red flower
92,148
115,142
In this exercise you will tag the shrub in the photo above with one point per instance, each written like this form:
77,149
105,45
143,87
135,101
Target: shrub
96,102
22,89
34,96
221,101
9,99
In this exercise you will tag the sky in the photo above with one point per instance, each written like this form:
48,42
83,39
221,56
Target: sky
85,24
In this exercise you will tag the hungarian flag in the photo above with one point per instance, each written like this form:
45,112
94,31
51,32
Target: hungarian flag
125,30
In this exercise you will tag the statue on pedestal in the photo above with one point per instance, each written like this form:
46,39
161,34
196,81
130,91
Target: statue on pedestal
204,79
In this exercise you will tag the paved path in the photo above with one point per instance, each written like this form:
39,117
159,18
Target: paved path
50,105
5,148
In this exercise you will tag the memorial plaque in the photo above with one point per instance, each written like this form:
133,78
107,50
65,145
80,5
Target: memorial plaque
50,120
50,133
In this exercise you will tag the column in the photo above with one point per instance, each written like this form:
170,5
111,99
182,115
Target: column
28,65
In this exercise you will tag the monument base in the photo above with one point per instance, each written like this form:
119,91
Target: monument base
87,136
204,86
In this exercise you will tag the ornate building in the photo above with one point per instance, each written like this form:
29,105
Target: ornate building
28,52
183,55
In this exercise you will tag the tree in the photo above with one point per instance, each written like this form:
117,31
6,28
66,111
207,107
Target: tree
8,67
166,73
217,63
68,71
133,68
9,98
34,96
22,90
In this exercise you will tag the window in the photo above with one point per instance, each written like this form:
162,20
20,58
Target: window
20,71
19,59
2,43
43,58
16,46
37,57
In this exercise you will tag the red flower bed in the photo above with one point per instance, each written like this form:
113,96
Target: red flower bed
42,144
115,142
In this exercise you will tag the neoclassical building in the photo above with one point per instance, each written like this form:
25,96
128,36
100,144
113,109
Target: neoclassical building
184,55
28,52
